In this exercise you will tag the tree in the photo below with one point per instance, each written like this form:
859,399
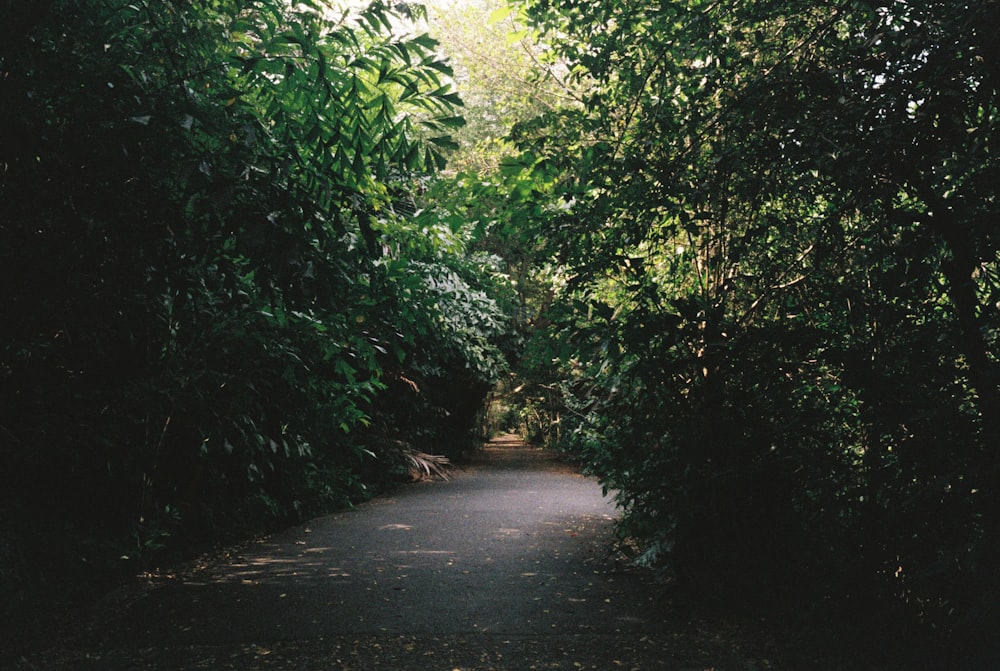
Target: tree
503,77
778,323
203,308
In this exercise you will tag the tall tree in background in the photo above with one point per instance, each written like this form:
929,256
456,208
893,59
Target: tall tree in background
504,78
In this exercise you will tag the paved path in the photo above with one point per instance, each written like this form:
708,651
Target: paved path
505,566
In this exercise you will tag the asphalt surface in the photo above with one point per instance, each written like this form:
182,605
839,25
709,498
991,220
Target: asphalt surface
508,565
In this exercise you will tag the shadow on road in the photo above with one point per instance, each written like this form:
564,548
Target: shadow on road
505,566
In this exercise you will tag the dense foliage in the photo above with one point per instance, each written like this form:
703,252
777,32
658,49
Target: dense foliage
756,243
502,75
776,324
223,304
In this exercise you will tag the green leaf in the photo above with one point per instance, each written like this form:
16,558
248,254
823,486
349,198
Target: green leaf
515,37
499,14
451,121
444,141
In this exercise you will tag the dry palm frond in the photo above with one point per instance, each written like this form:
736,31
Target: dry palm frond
423,465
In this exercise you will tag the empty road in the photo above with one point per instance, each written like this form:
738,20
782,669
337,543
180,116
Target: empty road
506,566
